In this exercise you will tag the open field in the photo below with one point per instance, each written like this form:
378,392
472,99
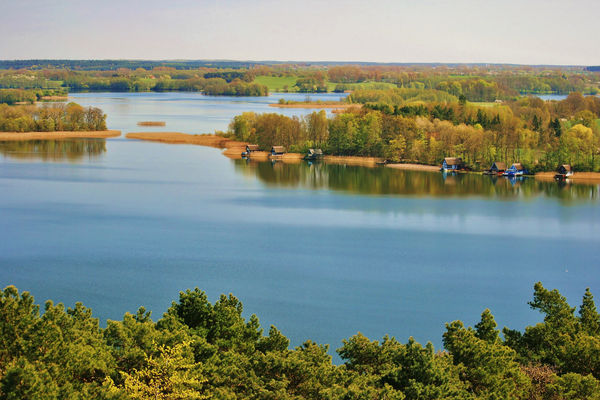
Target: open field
277,83
58,135
367,85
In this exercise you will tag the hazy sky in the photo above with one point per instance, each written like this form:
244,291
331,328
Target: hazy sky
498,31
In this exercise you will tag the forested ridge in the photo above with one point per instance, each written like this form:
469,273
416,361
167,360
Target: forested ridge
424,126
199,349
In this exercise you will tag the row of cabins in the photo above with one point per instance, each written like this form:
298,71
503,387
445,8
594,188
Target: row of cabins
278,151
497,168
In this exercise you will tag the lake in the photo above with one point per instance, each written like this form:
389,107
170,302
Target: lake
320,251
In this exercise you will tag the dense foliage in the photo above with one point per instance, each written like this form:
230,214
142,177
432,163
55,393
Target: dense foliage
201,350
402,125
51,117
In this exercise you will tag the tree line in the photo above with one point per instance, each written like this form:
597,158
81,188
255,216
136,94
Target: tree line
475,82
199,350
51,117
400,126
27,96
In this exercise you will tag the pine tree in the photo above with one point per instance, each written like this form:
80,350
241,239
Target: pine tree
588,316
486,328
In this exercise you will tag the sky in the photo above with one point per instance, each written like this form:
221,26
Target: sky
460,31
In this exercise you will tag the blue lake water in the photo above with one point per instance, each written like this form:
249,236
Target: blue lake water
320,251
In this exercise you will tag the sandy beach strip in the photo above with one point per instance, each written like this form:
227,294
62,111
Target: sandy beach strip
58,135
186,138
579,177
414,167
353,160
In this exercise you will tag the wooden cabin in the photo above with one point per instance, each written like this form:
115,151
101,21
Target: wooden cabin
250,148
498,167
564,171
515,170
453,164
314,154
277,151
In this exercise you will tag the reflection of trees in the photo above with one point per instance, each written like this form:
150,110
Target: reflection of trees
53,150
388,181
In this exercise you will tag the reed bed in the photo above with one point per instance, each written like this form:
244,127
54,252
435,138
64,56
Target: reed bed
152,123
185,138
58,135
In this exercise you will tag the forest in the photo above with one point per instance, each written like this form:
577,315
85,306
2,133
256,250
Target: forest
424,126
51,117
201,350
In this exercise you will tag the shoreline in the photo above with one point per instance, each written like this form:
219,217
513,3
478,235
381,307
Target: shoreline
340,106
579,177
234,149
59,135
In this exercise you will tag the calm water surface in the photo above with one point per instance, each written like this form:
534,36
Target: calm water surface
320,251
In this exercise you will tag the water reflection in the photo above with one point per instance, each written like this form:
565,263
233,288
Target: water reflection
53,150
388,181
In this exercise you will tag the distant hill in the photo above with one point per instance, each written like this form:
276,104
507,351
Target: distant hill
109,65
594,69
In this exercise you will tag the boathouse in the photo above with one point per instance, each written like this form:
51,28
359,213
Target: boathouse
453,164
277,151
565,169
498,167
314,154
250,148
515,169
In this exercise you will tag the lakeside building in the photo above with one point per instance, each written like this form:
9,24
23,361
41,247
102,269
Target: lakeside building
277,151
453,164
